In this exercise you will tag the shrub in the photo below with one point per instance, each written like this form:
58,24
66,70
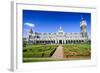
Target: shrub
77,50
38,50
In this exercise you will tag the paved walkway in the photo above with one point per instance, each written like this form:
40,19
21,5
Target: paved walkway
58,53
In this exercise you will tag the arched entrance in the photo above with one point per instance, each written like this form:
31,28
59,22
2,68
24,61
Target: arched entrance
60,41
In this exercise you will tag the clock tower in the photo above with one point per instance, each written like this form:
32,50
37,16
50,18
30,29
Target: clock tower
83,27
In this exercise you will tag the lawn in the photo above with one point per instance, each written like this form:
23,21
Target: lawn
43,52
77,50
28,60
38,51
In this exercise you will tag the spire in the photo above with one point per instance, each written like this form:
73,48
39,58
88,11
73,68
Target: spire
82,18
83,22
60,29
31,31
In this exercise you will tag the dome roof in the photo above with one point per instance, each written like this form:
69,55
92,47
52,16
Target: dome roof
83,22
60,30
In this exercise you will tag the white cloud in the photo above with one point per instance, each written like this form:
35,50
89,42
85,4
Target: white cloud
29,24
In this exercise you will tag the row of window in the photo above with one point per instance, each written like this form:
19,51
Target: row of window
57,37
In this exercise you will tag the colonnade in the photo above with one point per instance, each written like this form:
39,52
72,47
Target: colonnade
58,41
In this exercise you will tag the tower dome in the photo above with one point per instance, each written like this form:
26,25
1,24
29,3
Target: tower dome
83,22
60,30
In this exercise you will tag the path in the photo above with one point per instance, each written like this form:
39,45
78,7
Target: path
58,53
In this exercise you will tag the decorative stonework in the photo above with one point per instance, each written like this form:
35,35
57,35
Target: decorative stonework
60,37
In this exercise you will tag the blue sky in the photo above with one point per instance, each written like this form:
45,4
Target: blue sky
50,21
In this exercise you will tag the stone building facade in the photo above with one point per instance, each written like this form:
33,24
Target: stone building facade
60,37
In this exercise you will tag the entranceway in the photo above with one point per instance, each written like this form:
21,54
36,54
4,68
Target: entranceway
60,41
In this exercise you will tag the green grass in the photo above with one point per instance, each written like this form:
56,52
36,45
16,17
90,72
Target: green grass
77,50
38,51
41,52
52,59
39,59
